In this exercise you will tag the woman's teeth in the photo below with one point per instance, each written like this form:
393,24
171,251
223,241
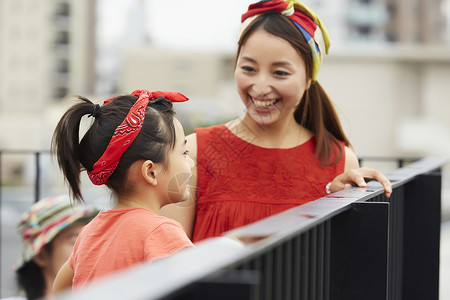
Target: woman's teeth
264,104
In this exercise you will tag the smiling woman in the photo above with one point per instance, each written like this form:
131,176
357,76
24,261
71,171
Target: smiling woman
289,147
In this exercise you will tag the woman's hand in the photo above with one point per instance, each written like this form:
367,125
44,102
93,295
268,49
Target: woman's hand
359,177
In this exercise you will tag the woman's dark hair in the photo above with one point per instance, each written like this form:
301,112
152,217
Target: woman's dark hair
155,139
31,278
315,111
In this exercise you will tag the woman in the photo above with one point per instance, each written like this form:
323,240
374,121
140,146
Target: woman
289,147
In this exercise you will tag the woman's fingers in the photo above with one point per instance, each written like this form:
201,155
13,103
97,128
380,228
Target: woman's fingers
359,177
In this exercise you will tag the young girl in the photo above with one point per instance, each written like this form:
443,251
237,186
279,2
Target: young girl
136,147
289,147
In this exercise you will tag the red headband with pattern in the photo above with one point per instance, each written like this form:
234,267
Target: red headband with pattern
126,132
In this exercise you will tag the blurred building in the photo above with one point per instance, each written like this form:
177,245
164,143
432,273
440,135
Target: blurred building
416,21
397,21
47,52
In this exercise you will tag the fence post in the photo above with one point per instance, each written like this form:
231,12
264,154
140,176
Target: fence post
422,228
358,254
37,182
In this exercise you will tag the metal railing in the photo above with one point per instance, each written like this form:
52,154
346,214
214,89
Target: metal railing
354,244
36,158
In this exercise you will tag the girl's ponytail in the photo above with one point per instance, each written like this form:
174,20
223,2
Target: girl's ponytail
65,144
316,113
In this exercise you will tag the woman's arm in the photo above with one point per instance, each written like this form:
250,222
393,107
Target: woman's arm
63,280
184,212
353,174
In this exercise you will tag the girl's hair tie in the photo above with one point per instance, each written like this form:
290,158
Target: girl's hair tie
95,110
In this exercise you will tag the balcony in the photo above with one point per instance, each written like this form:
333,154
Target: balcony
354,244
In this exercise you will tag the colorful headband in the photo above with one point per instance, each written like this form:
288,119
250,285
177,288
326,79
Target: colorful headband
126,132
303,18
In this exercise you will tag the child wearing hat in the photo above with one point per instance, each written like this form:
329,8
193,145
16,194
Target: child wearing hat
48,229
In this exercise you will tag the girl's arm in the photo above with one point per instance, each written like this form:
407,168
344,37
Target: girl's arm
353,174
63,280
184,212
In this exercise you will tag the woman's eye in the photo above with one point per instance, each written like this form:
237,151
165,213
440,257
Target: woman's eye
247,68
281,73
186,152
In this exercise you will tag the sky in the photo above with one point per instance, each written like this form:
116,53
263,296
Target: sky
194,24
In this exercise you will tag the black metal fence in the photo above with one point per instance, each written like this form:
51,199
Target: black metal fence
30,156
354,244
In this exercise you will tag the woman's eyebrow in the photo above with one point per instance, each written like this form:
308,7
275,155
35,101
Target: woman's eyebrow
282,64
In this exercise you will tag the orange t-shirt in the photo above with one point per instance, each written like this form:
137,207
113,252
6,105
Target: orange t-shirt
239,183
119,238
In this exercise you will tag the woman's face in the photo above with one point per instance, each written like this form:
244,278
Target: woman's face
271,78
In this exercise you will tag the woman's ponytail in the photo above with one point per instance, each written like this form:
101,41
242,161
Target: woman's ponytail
317,114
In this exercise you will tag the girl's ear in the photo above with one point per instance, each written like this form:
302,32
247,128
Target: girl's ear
149,171
42,258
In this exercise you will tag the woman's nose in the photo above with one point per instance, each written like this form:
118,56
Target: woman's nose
261,85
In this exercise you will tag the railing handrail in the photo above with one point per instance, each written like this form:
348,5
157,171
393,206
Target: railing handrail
157,280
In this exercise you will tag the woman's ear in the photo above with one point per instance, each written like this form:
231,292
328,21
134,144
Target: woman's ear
308,83
150,171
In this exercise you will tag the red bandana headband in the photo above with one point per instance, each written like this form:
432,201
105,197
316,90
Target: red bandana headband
126,132
302,17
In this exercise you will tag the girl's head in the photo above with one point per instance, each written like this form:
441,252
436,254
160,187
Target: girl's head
126,129
278,58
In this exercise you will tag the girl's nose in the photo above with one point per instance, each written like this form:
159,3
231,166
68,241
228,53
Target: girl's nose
191,162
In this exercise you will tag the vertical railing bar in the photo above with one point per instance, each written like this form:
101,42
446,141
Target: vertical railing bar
256,265
288,262
400,192
259,267
398,223
313,264
327,262
393,246
37,183
268,281
304,290
320,261
277,277
296,271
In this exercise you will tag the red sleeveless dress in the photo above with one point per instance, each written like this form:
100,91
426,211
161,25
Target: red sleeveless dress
239,183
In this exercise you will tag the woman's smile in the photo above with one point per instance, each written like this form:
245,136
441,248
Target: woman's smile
264,105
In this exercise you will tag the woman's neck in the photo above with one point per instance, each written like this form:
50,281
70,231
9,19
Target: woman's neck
283,135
